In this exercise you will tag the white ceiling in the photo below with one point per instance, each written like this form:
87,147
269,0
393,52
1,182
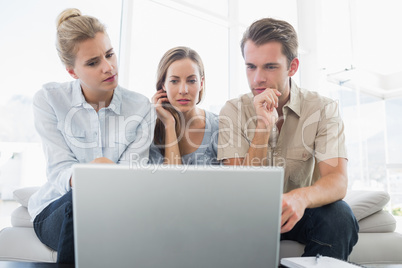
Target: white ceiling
384,86
376,45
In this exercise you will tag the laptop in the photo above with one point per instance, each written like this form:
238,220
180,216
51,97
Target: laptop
176,216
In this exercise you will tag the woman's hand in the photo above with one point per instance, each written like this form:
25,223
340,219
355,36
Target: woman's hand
102,160
164,115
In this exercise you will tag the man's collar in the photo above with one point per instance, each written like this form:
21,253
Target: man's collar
294,100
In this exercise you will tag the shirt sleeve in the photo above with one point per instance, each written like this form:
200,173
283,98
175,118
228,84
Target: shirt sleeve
330,137
232,141
137,152
58,155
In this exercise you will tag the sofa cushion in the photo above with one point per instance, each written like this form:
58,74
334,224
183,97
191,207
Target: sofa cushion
21,218
22,244
365,203
378,248
379,222
22,195
362,203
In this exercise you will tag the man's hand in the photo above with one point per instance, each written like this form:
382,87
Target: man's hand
293,207
265,105
329,188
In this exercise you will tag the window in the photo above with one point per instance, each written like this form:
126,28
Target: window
156,27
344,54
29,60
352,58
214,29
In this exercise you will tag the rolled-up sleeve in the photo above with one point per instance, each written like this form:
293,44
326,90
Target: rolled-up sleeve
330,137
58,154
232,141
72,132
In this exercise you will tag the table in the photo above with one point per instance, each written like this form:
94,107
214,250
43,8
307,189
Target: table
366,266
383,265
14,264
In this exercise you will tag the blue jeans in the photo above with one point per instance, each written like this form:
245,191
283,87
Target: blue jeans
330,230
54,227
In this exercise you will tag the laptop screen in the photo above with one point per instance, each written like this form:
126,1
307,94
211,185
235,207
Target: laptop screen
176,216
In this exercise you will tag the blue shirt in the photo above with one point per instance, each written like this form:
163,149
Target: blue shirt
73,132
206,153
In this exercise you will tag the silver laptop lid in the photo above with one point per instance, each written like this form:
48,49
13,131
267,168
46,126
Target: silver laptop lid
174,217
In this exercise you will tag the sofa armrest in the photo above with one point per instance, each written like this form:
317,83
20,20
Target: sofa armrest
22,195
366,203
21,218
379,222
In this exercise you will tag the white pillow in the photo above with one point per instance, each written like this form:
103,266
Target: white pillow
22,195
21,218
365,203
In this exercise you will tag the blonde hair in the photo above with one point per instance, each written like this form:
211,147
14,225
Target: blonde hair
172,55
73,28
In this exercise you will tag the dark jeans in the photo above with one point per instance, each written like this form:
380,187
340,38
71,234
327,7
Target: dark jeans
330,230
54,228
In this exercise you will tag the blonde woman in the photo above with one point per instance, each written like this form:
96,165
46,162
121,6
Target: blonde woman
89,120
184,133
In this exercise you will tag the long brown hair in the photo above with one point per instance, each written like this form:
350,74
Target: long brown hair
172,55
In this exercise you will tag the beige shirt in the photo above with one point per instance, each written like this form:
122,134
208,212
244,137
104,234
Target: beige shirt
312,132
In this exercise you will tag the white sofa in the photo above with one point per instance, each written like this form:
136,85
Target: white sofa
378,241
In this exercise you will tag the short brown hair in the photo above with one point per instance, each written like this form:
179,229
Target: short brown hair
272,30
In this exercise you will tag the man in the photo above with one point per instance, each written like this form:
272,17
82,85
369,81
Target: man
282,125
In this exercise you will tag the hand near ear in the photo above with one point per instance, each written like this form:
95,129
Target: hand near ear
164,115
